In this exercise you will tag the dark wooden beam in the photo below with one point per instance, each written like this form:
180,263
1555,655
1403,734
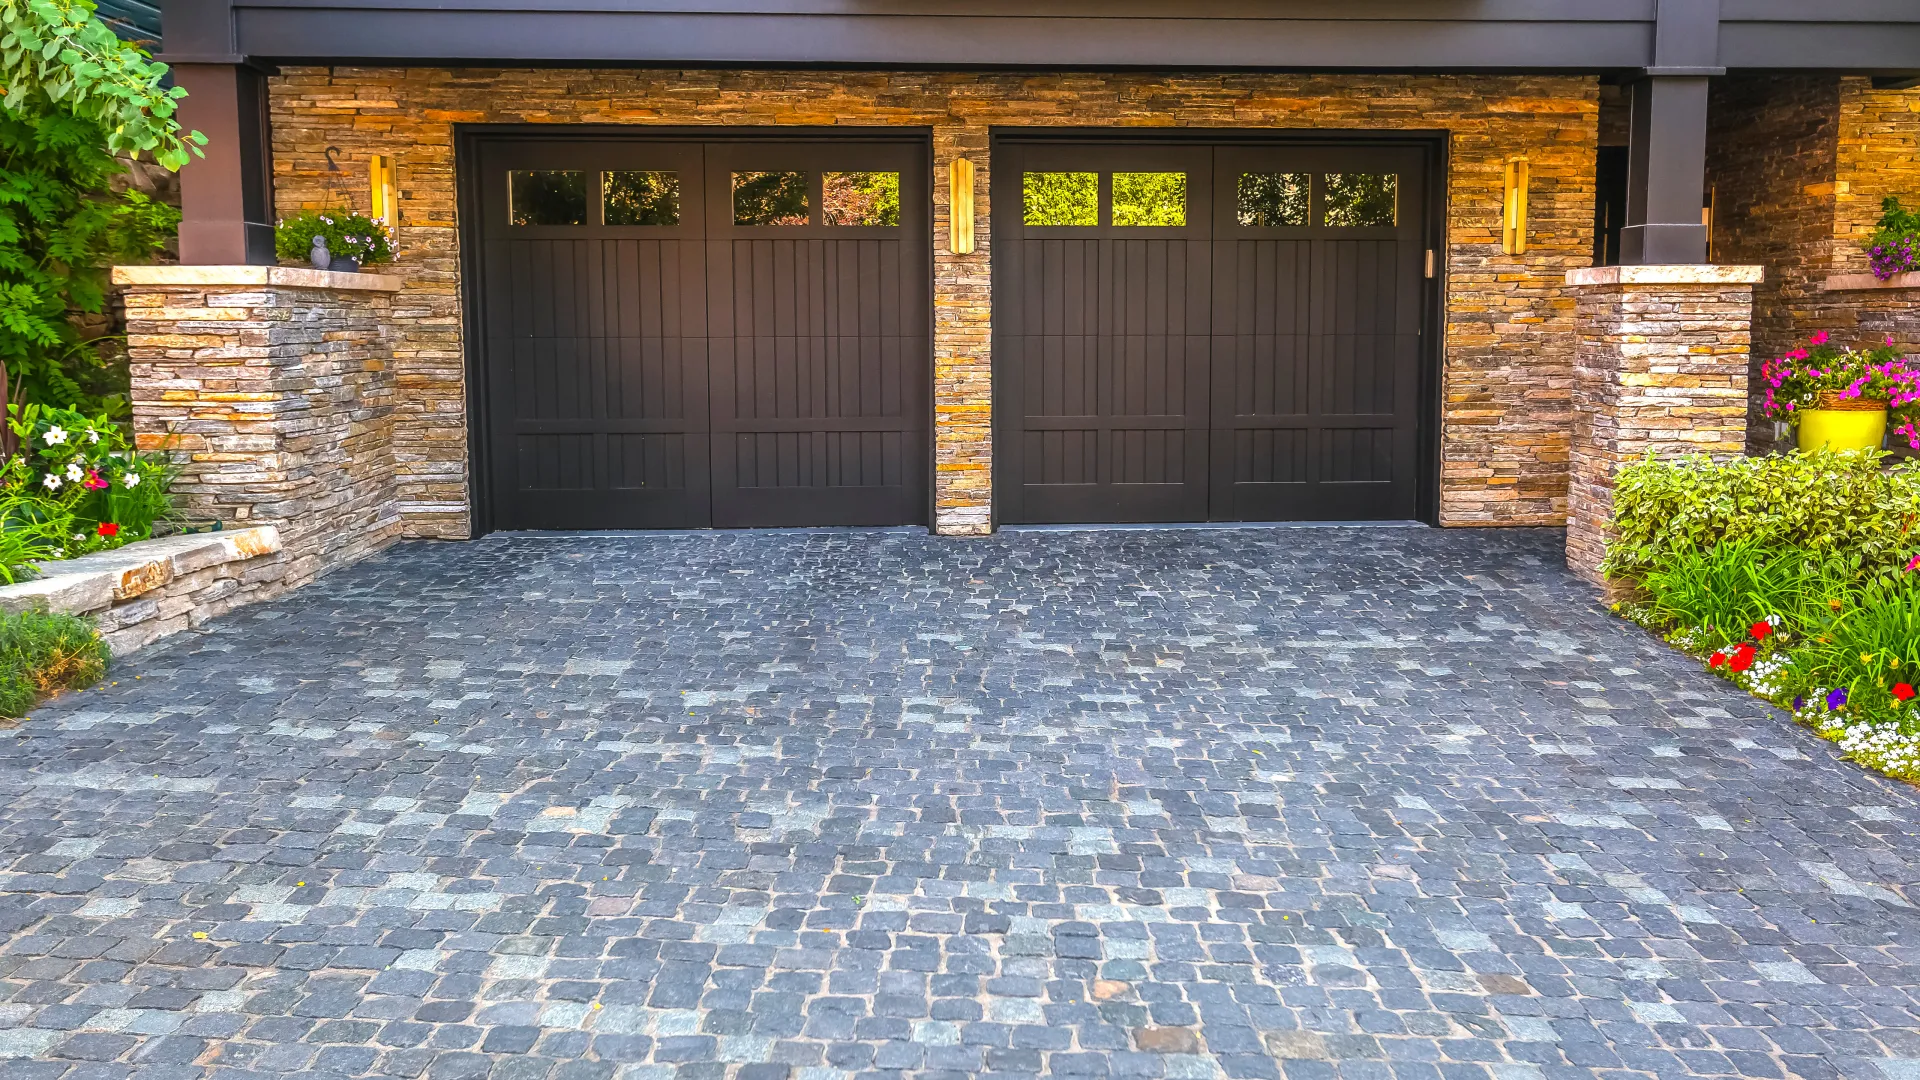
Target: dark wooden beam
226,204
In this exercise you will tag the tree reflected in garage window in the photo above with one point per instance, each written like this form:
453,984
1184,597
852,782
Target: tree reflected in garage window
1150,198
1273,200
860,198
547,197
642,198
1358,200
1060,198
770,198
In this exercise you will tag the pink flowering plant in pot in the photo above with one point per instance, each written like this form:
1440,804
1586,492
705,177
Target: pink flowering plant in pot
1822,377
1894,247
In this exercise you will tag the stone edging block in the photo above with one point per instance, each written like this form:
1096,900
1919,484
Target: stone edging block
94,582
1666,275
292,276
1869,283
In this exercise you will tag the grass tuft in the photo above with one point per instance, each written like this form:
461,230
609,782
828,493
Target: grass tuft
42,654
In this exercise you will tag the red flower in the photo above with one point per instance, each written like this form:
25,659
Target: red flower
108,528
1902,691
1718,659
1742,658
1761,630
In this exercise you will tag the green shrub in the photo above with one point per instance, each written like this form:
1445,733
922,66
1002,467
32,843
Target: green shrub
42,654
1870,649
1829,505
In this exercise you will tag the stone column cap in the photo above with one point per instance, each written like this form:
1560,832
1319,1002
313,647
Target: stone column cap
1865,282
1666,275
298,277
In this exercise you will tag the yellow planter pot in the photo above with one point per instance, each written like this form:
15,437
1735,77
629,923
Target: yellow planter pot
1843,429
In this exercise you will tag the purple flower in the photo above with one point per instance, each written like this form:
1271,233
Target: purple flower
1836,698
1799,703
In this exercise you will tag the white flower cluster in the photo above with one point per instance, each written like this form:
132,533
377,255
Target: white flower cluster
1766,678
1879,743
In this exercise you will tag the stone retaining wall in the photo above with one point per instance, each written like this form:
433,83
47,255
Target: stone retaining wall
148,590
272,388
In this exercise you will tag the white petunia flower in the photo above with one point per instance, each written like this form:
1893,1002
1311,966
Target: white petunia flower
51,482
74,472
93,436
56,435
131,479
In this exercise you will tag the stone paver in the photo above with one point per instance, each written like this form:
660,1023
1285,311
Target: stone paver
1302,803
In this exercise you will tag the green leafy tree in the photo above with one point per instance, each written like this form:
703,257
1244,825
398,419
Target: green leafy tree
76,96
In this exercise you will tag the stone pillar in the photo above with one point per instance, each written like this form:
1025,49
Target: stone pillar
1660,365
272,388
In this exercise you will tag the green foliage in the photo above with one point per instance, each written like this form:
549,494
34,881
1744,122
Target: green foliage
56,58
1060,198
1719,593
1158,198
1868,647
1829,505
1894,247
32,530
75,95
42,654
347,233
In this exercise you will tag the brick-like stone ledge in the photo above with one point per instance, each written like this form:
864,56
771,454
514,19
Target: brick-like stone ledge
294,276
1868,283
153,588
1666,275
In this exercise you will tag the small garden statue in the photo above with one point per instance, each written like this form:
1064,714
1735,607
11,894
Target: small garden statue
319,255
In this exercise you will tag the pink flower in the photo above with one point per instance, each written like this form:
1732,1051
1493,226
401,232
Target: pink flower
1819,338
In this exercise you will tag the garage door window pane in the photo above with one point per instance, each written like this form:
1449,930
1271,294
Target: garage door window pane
770,198
1150,198
642,198
1356,200
1273,200
1060,198
538,197
860,198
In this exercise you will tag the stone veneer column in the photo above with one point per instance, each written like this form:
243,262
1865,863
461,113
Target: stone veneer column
271,387
1660,365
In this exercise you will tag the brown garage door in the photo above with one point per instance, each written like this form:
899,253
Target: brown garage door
1185,332
690,334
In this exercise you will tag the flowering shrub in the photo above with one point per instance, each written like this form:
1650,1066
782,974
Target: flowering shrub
1895,245
1799,380
74,487
347,233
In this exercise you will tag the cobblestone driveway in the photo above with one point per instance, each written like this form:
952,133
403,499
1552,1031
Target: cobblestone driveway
1324,803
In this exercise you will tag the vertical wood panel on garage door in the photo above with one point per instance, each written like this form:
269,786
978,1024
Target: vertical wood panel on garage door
1245,364
703,372
1106,328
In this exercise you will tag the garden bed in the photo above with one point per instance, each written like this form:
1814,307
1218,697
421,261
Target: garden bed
1796,577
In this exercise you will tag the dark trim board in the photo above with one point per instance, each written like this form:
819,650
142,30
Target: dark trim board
1201,340
763,506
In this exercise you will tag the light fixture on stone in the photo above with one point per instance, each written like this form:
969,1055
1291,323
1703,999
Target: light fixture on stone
960,207
1513,212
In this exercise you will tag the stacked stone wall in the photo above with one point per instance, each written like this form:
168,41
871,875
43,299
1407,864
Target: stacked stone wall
272,389
1508,349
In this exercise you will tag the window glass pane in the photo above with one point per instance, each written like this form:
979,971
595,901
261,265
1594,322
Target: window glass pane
547,198
860,198
1273,200
1358,199
642,198
1149,198
1060,198
770,198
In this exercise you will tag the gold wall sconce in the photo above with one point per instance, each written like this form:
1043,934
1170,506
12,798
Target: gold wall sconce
381,204
1513,216
960,207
